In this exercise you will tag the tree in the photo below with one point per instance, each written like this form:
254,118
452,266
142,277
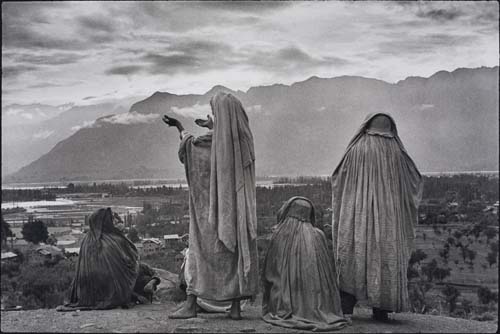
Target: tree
450,241
445,252
467,306
441,273
133,235
417,256
494,247
429,268
6,231
451,295
484,295
471,254
492,258
490,233
35,232
457,234
51,240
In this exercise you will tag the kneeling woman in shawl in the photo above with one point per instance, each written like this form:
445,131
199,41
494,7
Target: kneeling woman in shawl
300,288
107,268
376,191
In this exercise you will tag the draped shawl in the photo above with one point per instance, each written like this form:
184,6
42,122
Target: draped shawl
299,278
232,179
107,266
376,190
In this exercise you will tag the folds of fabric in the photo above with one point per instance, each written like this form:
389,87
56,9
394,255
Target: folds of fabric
300,289
376,192
232,188
107,266
211,271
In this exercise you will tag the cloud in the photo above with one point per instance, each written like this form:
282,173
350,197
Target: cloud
440,14
245,6
124,70
25,37
424,107
43,134
291,57
130,118
97,23
85,124
196,111
424,44
16,70
44,58
171,63
192,56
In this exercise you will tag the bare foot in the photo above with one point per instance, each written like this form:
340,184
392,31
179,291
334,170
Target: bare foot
188,310
183,313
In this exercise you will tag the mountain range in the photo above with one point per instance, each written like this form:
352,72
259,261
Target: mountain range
29,131
447,122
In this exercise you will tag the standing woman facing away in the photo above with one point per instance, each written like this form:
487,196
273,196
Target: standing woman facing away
220,168
376,190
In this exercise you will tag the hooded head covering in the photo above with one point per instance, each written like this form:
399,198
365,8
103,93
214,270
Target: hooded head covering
101,221
298,207
367,126
232,177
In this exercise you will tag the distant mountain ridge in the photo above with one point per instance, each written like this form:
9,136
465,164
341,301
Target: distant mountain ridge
447,122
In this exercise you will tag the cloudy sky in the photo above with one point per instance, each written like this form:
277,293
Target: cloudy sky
84,52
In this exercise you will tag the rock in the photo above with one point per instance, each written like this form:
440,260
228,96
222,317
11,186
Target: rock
185,329
86,325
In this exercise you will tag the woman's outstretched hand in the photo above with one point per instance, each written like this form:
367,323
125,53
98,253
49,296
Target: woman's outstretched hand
205,123
170,121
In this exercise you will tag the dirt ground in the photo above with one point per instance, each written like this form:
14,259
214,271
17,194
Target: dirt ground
154,319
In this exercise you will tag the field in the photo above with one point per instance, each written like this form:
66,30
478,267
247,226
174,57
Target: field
457,230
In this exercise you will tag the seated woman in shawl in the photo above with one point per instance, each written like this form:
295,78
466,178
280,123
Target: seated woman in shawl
107,268
300,288
220,170
376,189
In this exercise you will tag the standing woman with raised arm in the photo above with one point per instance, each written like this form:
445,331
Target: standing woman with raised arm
376,192
220,168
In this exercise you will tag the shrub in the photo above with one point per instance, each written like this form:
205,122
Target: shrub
38,286
484,317
417,256
451,295
485,295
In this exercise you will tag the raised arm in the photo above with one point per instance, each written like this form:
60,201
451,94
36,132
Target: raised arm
170,121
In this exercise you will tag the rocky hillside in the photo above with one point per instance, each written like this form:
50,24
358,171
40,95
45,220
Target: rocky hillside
448,122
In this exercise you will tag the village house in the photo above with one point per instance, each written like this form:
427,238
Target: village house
43,252
8,256
72,252
151,245
171,240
